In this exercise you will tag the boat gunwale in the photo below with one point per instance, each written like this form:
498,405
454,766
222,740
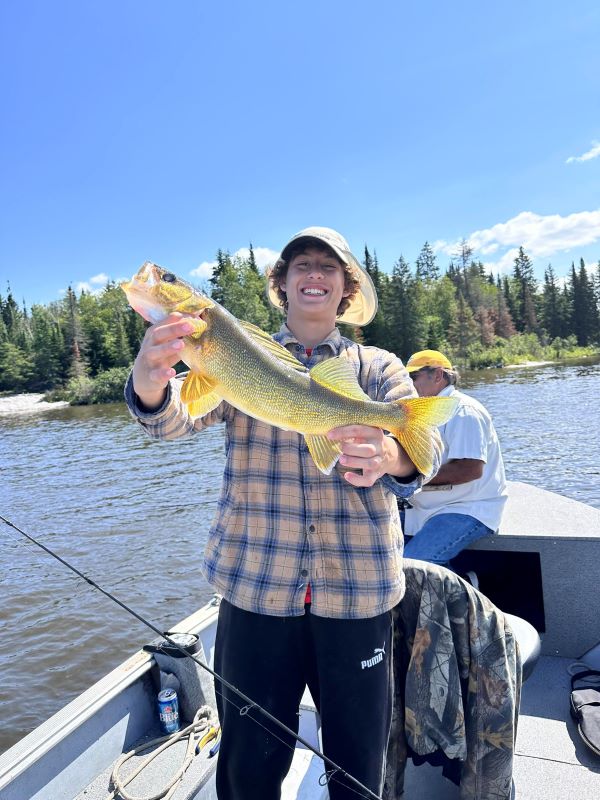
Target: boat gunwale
45,737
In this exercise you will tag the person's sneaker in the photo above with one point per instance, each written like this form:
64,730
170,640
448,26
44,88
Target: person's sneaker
472,578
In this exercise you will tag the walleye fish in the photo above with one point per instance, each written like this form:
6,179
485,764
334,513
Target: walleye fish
235,361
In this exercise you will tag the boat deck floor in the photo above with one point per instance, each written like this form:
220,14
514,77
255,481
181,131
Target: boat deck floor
552,763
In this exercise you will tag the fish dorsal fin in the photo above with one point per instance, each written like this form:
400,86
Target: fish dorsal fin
197,392
278,350
325,452
338,375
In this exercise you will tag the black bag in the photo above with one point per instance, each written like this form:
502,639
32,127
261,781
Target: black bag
585,707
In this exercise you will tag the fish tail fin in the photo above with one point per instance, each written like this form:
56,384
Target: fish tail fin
419,416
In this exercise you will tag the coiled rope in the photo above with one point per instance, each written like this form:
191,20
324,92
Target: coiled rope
204,720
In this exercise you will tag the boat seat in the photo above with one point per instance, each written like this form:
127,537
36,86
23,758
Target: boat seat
528,640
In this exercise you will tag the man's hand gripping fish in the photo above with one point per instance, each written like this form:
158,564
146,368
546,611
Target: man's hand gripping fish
235,361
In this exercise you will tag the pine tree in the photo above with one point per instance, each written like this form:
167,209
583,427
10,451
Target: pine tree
553,307
485,322
407,330
48,350
583,305
427,269
376,332
463,331
596,296
15,367
221,276
74,338
503,322
112,308
525,289
256,307
12,318
464,255
252,265
440,309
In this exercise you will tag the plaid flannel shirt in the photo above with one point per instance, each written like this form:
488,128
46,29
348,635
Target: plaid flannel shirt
280,523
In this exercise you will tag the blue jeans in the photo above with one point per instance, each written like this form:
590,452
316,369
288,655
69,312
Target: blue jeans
443,537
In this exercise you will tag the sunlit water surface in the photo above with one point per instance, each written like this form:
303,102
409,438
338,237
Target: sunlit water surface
134,514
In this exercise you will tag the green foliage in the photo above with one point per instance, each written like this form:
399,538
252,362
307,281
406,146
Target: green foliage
403,308
239,286
15,368
79,391
462,331
107,387
82,347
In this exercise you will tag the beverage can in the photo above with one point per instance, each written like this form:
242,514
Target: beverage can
168,710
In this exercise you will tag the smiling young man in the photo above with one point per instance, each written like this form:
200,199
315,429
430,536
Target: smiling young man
309,565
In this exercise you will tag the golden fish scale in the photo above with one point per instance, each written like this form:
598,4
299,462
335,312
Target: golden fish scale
251,379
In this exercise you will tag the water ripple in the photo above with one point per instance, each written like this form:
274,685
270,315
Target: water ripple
133,514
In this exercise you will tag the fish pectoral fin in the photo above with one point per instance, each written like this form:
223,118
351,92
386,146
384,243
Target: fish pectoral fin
197,392
422,415
325,452
338,375
199,327
278,350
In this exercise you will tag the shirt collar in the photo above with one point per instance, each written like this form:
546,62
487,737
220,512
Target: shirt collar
285,337
447,391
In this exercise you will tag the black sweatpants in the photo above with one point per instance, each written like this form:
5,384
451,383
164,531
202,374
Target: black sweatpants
347,666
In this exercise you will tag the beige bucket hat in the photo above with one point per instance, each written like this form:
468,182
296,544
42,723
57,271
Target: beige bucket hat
363,305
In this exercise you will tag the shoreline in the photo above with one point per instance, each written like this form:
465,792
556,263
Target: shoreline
529,364
33,402
27,403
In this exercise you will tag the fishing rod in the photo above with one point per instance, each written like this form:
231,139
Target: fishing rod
250,704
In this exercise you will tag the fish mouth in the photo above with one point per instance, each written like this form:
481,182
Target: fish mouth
149,277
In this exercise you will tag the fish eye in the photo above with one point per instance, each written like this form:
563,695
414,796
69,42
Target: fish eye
168,277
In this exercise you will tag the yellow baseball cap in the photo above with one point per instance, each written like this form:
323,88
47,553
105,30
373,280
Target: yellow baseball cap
427,358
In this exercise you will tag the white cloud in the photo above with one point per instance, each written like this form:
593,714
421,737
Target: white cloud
540,236
489,248
84,286
102,279
594,152
93,285
204,270
264,257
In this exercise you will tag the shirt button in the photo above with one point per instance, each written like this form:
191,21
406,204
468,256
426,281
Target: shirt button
304,572
311,529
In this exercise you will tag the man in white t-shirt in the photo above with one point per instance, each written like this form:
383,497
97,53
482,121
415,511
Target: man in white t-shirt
464,501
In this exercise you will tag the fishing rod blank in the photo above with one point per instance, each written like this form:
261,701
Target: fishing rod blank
250,704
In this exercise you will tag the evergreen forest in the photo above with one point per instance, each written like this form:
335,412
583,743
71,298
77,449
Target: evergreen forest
81,348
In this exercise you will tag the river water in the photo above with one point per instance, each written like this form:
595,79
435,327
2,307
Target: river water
133,515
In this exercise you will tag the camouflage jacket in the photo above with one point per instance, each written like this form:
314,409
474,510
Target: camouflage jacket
457,684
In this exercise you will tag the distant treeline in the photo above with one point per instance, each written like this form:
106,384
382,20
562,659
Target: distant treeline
81,347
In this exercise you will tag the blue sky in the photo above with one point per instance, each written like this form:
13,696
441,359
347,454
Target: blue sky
149,130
